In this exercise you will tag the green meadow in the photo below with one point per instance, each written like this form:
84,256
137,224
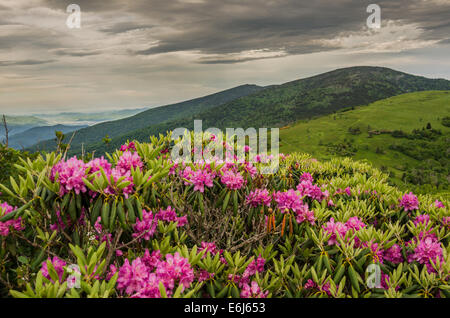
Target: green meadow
346,133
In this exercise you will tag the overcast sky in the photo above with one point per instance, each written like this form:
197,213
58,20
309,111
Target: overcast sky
130,54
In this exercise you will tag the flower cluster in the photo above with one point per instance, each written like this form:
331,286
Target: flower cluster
141,278
253,291
393,254
422,219
288,200
307,188
232,180
324,288
169,215
127,161
200,178
146,228
5,227
99,163
341,229
128,147
58,264
428,249
409,202
70,175
258,197
439,205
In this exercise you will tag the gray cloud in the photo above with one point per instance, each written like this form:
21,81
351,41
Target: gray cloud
24,62
232,26
149,52
125,27
75,53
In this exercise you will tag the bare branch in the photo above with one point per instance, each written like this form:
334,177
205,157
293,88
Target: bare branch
6,131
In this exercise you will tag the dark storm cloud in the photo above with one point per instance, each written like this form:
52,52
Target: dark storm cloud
233,26
221,27
218,27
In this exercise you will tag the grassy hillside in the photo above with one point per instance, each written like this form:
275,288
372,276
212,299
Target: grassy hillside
153,116
418,158
282,104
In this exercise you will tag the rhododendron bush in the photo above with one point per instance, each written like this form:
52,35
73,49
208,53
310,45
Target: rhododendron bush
136,224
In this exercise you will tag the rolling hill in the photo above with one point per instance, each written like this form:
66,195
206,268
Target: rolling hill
154,116
36,134
87,118
405,135
279,105
18,124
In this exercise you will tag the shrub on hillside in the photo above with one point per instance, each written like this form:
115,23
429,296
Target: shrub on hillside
136,224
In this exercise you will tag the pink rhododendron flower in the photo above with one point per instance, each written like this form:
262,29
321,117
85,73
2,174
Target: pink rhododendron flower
393,254
422,219
438,204
306,188
5,227
104,237
427,249
112,271
306,176
288,200
127,161
258,197
324,288
348,191
250,168
151,288
210,247
152,260
58,265
132,277
175,269
409,202
97,163
305,214
169,215
127,147
335,229
146,228
355,223
199,178
376,251
255,266
232,180
203,275
70,176
253,291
